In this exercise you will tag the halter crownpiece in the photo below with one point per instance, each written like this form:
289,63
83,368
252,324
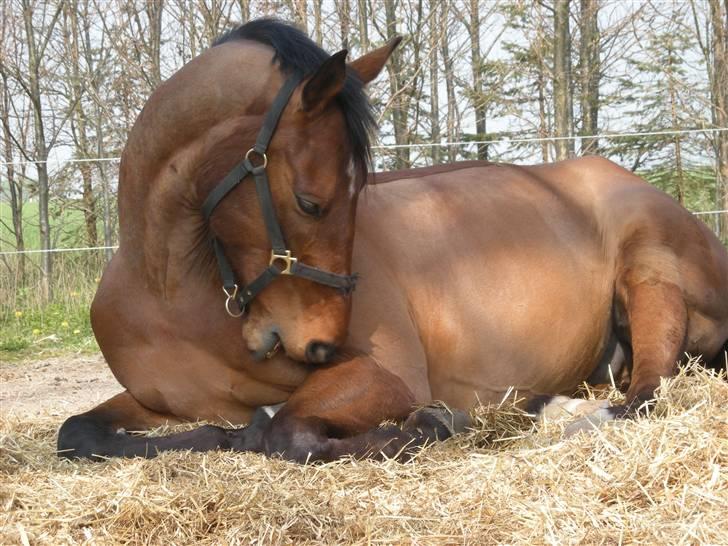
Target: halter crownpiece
282,261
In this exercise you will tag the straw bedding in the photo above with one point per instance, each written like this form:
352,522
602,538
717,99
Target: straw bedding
661,479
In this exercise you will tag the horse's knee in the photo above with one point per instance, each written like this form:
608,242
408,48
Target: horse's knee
84,437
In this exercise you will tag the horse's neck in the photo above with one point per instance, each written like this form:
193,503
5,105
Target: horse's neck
163,234
175,139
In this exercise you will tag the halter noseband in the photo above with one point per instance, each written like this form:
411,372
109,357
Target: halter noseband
282,261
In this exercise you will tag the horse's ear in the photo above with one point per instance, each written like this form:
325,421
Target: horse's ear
325,84
370,65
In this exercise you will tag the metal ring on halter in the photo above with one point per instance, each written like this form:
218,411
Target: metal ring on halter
265,157
231,297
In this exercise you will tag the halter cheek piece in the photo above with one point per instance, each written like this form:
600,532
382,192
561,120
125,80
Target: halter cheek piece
282,261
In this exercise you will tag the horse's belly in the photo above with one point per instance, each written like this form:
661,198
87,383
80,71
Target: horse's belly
533,330
511,291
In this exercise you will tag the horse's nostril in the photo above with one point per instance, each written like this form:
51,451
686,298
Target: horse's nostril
318,352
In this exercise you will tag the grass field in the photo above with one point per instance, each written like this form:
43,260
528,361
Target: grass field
67,227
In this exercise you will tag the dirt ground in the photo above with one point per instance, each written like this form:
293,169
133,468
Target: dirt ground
56,386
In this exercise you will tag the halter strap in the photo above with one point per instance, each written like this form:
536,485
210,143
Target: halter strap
282,262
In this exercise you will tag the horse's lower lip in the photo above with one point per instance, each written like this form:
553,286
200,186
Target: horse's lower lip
276,347
269,349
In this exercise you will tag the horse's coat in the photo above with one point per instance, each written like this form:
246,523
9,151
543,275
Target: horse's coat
475,278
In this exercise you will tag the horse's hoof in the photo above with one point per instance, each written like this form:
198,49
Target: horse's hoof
592,421
454,421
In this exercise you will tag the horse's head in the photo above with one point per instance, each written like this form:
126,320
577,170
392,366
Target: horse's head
316,165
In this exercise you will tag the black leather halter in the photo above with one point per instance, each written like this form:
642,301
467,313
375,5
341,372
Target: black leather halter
282,261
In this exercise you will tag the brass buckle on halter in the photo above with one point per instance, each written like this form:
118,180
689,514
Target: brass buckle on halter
231,295
286,258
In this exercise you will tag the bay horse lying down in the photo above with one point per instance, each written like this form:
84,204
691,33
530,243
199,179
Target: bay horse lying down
474,278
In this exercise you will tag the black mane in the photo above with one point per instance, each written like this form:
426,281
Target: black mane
296,52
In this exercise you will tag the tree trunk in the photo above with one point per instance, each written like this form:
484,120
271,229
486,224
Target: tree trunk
318,34
394,69
589,75
543,124
562,80
298,7
344,10
435,31
15,189
244,10
72,36
155,10
476,65
452,113
719,92
672,92
363,25
36,48
539,49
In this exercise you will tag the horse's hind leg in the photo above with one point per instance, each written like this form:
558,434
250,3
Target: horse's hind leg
651,318
657,321
101,432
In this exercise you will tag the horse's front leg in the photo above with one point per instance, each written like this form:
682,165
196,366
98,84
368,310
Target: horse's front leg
337,412
102,432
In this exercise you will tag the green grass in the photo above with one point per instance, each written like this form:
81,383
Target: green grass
68,228
30,327
52,329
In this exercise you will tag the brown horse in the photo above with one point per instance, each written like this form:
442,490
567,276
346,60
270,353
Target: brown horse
474,278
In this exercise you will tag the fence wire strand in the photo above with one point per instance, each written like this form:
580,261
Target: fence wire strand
504,140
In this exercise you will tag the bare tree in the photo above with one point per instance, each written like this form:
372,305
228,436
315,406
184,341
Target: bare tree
718,77
363,14
453,115
562,80
589,74
38,24
435,37
476,65
75,18
395,69
343,11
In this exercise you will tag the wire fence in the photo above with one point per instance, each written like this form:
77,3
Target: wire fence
474,142
711,217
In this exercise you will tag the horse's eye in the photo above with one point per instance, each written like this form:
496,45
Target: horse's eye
309,207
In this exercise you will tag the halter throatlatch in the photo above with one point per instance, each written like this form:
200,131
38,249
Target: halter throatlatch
282,261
